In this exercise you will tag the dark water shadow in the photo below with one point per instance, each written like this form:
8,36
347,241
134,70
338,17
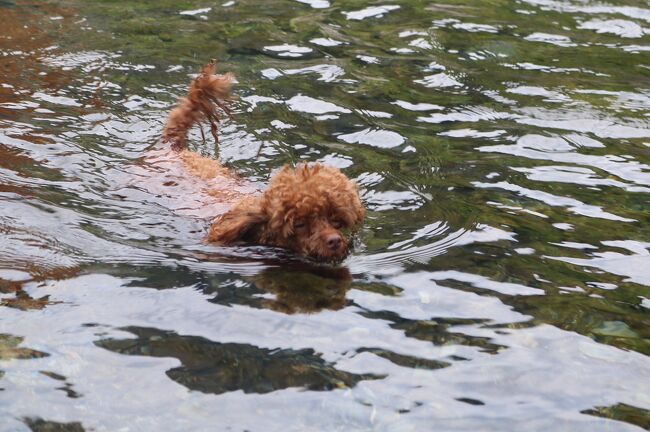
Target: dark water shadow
10,350
40,425
406,360
287,286
300,288
623,412
67,387
214,367
437,330
21,299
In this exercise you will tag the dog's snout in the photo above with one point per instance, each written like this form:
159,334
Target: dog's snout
334,241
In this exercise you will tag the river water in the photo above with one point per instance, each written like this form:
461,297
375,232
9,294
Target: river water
501,280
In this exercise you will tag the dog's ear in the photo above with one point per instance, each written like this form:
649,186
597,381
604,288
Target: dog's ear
244,223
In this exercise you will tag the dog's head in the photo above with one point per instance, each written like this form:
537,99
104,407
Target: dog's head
310,209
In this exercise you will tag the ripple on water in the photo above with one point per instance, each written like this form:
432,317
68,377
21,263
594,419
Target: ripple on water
288,50
622,28
370,12
312,105
582,121
466,26
466,114
575,175
556,149
410,251
377,138
316,4
192,12
632,266
439,80
327,73
562,6
554,39
548,95
573,205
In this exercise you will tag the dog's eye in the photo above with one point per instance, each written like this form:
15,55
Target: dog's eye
336,223
300,224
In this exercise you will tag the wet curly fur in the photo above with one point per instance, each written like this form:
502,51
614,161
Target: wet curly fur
206,98
309,209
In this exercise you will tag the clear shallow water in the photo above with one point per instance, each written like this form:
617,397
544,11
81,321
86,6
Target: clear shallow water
502,277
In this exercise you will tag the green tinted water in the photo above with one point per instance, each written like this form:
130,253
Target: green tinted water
501,280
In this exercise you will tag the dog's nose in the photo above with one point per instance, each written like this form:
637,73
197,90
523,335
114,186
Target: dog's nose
334,241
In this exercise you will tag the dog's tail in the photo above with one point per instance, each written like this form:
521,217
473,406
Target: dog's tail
206,100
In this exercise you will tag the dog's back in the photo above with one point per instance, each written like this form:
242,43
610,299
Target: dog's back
186,181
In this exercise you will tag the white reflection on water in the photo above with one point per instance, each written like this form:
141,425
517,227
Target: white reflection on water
602,8
584,121
557,149
316,4
575,175
439,80
634,267
559,373
370,12
393,262
622,28
312,105
554,39
573,205
288,50
327,73
485,283
548,95
374,137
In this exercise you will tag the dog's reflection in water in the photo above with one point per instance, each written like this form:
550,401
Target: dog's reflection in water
211,366
304,289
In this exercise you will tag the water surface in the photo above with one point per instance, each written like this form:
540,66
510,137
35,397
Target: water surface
501,280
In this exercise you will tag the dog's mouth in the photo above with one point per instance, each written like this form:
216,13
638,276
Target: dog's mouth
328,260
328,257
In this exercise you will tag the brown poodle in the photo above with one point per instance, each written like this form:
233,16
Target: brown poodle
308,209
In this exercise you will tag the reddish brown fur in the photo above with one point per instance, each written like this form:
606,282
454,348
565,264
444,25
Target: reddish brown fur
206,96
305,209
